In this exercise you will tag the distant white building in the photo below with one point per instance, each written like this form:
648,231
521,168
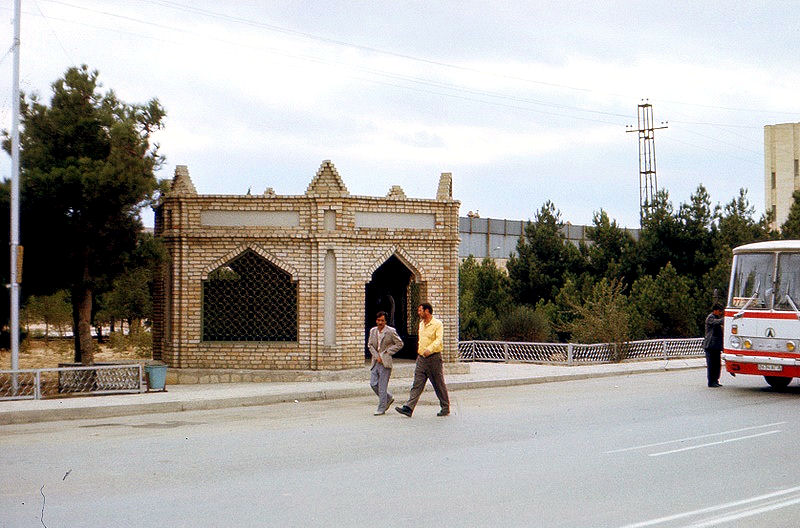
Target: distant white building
781,169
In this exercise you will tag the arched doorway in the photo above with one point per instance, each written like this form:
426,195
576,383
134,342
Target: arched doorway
392,290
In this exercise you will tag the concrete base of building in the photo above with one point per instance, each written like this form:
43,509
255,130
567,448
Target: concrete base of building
401,369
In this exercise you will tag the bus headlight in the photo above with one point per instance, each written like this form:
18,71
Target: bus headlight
790,346
736,342
748,344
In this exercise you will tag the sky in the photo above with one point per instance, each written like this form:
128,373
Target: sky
521,101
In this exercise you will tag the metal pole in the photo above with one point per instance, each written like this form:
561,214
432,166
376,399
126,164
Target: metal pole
15,195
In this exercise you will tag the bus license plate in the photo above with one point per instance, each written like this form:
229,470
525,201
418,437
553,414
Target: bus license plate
771,368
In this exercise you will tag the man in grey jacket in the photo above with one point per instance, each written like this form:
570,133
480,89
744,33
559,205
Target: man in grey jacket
383,343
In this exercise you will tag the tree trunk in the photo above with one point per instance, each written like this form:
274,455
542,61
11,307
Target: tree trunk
82,324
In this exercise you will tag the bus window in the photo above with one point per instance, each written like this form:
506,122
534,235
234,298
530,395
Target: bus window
752,277
787,285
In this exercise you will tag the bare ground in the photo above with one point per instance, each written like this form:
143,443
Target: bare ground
38,353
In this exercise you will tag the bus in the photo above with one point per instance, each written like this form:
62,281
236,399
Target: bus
762,318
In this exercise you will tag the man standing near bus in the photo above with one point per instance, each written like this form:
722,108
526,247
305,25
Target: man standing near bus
712,344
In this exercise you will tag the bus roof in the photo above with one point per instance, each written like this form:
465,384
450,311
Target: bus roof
772,245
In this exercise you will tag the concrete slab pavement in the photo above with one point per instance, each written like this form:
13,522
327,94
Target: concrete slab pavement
224,395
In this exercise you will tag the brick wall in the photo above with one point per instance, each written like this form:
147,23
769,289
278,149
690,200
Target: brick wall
299,248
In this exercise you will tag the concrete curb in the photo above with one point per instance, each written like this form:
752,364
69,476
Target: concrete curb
108,411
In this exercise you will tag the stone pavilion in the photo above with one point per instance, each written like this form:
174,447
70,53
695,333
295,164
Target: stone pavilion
282,282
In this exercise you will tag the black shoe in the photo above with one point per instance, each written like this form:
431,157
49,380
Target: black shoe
443,412
714,385
404,410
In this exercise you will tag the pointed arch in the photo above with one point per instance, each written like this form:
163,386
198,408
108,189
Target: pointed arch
254,248
403,256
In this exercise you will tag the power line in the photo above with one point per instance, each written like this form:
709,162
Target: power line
69,58
426,82
367,70
338,42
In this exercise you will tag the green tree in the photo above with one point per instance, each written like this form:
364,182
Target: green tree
663,306
54,311
544,259
696,238
791,227
603,317
483,296
129,299
87,167
612,253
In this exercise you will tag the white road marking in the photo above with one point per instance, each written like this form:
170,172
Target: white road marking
645,446
668,518
747,513
727,440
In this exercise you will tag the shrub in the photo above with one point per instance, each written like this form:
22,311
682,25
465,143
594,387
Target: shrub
525,324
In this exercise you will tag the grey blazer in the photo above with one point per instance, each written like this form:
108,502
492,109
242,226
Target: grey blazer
386,346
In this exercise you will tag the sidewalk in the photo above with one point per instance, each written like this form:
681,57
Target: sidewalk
223,395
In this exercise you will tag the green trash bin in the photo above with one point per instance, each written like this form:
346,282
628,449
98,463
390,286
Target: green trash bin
156,377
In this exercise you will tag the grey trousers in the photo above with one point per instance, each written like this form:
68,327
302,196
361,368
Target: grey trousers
429,368
379,381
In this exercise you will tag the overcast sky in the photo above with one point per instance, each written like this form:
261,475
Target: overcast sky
523,101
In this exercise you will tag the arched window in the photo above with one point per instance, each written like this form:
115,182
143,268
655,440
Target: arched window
249,299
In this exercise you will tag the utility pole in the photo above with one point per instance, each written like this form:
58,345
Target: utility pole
648,182
15,247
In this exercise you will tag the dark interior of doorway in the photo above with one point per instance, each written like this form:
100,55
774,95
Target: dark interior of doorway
388,292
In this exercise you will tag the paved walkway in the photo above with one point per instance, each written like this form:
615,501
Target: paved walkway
223,395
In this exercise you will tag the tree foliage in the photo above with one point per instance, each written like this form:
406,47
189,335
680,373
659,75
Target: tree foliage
543,259
87,167
53,311
616,287
791,227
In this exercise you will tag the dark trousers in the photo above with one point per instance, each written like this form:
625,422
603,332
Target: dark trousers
429,368
713,366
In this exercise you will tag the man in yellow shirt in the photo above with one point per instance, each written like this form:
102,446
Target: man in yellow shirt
429,363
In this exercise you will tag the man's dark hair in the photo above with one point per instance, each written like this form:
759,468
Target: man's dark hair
717,306
427,306
382,314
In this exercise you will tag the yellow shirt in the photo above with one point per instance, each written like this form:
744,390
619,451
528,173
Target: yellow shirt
430,337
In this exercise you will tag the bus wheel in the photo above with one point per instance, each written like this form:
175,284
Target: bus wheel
778,382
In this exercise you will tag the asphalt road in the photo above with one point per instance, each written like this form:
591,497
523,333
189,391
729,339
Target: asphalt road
656,450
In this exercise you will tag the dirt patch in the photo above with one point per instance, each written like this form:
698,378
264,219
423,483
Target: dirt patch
38,353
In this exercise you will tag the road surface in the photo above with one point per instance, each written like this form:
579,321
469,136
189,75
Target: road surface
658,450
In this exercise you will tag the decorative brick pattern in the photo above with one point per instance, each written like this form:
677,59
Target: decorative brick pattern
195,249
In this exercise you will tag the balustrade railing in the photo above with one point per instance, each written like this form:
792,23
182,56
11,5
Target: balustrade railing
574,353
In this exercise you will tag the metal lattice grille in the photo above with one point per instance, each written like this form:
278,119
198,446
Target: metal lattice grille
17,385
58,382
249,299
577,353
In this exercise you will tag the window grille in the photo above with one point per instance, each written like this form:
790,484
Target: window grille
249,299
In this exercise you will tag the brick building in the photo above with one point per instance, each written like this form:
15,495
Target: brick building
294,282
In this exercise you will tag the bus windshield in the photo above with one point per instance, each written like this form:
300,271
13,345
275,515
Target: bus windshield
752,280
787,283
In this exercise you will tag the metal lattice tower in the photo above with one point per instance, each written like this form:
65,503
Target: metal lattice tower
648,181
